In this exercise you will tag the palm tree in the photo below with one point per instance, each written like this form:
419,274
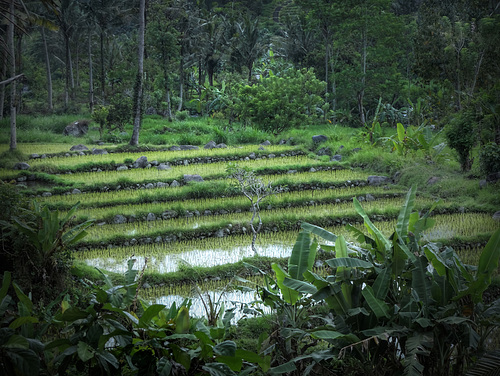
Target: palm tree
249,44
138,92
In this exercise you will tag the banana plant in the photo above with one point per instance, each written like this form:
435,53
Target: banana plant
398,295
20,350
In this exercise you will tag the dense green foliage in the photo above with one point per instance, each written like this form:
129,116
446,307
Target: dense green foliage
279,103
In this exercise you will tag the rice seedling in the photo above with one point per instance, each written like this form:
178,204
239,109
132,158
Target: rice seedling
230,204
39,149
278,219
198,155
212,170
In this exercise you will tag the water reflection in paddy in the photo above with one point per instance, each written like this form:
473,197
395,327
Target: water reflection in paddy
169,262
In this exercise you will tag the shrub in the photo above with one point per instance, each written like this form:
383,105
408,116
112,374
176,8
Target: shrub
182,115
461,135
120,112
489,158
279,103
220,136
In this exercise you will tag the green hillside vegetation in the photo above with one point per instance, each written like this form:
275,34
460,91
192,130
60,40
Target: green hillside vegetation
267,187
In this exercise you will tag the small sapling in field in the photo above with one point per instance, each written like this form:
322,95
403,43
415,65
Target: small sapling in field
256,191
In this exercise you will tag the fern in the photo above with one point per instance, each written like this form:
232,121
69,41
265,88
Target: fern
488,365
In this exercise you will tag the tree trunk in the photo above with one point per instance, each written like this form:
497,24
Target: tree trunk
13,113
77,63
4,63
167,95
140,76
71,75
103,77
361,93
91,74
49,75
181,79
66,68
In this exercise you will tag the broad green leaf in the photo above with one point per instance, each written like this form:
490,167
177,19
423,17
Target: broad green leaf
321,232
382,282
488,263
299,259
333,296
164,367
227,348
22,320
399,257
17,341
151,312
249,356
289,295
404,214
23,298
383,244
182,320
401,132
349,262
378,307
85,352
420,282
283,368
4,304
300,286
107,357
26,361
341,253
7,277
326,334
218,369
231,361
435,259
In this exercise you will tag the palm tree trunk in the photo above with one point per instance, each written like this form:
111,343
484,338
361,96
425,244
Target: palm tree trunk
140,76
91,74
103,79
13,109
49,75
181,79
2,87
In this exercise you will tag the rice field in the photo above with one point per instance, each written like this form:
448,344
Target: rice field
208,225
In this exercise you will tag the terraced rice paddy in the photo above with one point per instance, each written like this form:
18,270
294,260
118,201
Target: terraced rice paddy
206,224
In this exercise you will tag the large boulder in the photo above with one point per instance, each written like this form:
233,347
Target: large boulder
76,129
188,178
266,143
188,147
141,162
492,178
210,145
324,151
79,147
163,166
21,166
221,146
336,158
99,151
119,219
378,180
496,216
150,111
319,138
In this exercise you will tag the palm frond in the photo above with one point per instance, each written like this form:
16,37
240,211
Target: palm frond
488,365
